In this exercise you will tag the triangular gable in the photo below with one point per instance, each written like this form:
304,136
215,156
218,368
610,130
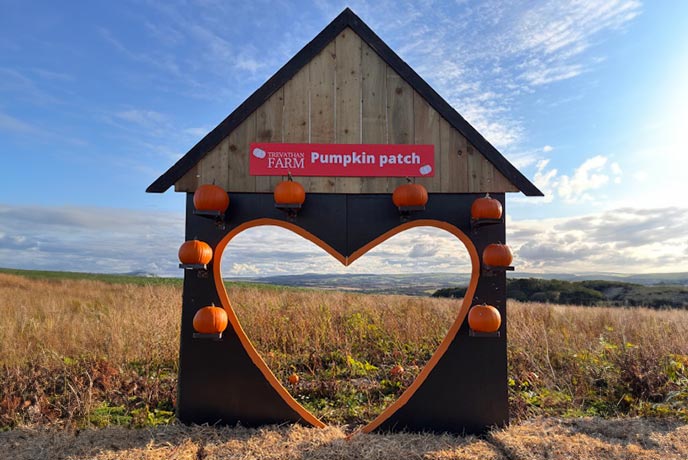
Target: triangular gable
434,121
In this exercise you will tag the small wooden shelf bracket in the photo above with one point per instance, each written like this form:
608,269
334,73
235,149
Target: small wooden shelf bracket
491,270
214,337
193,266
406,211
477,223
217,216
473,333
291,209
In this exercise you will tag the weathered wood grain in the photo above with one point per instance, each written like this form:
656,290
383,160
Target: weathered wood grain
238,154
322,106
269,119
399,116
214,167
348,100
426,130
474,168
348,94
189,181
373,110
296,112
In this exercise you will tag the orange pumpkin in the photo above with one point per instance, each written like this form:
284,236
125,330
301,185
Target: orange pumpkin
497,255
486,208
289,192
195,252
293,379
484,318
397,370
209,197
410,195
210,320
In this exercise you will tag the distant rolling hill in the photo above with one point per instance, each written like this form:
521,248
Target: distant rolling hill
636,289
428,283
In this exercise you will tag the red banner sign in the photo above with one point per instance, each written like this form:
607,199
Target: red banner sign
346,160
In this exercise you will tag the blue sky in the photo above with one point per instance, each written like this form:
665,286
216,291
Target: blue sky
588,98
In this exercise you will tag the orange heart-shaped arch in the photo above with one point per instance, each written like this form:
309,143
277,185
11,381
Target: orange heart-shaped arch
260,363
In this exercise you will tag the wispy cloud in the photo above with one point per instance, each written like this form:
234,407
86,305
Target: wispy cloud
17,84
14,125
554,35
500,50
33,131
152,122
48,74
484,58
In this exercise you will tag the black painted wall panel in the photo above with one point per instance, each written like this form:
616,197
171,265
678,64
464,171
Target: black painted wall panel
218,382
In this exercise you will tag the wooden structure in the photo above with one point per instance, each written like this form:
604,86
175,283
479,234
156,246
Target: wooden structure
348,87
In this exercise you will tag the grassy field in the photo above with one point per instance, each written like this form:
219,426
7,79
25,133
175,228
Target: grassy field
84,353
534,439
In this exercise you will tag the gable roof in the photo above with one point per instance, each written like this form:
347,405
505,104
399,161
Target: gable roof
346,19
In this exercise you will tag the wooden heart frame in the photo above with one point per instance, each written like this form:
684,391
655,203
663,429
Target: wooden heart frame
462,388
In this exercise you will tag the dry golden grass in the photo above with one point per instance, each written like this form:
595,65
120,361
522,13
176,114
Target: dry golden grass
301,323
551,438
69,346
53,319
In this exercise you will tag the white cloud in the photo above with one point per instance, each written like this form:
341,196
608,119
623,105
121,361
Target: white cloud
624,240
90,239
244,269
273,250
588,176
640,176
545,180
593,174
123,241
197,132
423,250
143,118
547,148
627,240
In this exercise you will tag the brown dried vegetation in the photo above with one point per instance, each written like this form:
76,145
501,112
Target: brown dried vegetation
86,353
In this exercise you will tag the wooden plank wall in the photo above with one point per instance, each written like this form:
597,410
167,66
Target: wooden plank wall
347,94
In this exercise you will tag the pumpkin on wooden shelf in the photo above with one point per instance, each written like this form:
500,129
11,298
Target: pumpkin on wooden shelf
210,320
484,318
289,192
293,379
410,195
195,252
210,197
497,255
486,207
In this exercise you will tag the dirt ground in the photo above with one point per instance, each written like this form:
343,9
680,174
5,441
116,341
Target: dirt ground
544,438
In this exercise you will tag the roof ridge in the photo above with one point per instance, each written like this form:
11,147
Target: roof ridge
347,18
